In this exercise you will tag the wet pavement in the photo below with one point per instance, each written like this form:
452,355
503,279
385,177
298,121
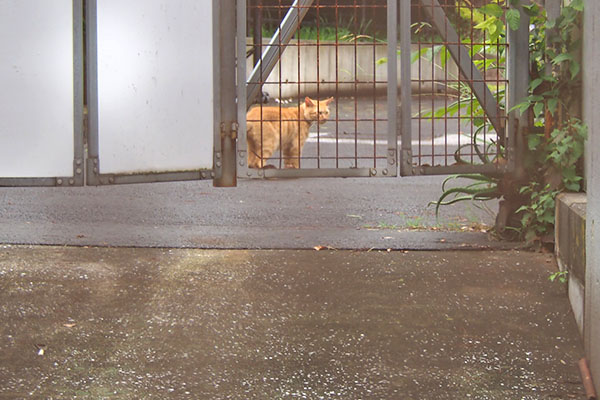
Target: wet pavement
129,323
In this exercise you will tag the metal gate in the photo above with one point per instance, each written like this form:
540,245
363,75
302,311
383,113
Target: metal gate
452,77
341,50
105,91
400,87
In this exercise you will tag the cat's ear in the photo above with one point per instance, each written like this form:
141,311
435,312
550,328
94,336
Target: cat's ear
328,101
309,103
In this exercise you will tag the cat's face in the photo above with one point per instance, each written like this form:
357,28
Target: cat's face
317,110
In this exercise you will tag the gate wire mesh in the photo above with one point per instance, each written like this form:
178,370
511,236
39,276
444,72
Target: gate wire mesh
338,51
449,124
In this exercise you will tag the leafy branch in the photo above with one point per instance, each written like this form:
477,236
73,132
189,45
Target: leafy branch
555,138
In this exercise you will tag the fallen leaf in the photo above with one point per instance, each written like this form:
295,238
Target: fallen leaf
69,325
41,349
319,248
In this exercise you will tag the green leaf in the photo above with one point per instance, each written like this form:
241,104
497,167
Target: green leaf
538,109
535,83
535,97
574,68
415,55
524,106
486,24
492,9
552,104
531,10
513,17
444,57
562,57
577,5
533,141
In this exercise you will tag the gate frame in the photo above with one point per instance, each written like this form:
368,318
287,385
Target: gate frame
93,175
393,115
77,179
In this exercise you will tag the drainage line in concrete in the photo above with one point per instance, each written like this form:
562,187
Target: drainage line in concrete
586,378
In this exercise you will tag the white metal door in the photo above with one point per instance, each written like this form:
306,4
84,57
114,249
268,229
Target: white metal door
41,93
151,92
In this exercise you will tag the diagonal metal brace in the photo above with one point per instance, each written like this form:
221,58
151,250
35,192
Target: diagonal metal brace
460,55
275,48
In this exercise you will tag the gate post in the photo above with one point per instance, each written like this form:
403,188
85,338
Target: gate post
518,80
225,96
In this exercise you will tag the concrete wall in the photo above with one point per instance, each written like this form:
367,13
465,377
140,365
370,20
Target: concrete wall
346,65
570,248
591,105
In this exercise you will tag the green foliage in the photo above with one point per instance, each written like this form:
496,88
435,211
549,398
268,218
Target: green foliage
561,276
554,47
538,214
555,144
554,155
344,32
481,188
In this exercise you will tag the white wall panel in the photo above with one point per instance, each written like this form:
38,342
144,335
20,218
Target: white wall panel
155,85
36,88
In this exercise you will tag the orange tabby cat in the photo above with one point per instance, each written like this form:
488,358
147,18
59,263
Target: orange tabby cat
285,126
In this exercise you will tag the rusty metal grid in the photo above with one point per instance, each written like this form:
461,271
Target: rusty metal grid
346,57
454,69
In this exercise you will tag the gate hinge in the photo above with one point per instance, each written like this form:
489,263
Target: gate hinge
231,132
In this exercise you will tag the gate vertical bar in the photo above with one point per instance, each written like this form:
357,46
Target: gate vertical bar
241,83
518,80
392,87
256,31
225,75
405,89
91,27
78,53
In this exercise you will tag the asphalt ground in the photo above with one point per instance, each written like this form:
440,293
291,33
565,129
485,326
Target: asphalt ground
127,323
361,213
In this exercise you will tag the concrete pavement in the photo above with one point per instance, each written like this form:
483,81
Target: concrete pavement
126,323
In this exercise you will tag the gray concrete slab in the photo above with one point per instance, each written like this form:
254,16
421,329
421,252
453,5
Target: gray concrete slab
119,323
